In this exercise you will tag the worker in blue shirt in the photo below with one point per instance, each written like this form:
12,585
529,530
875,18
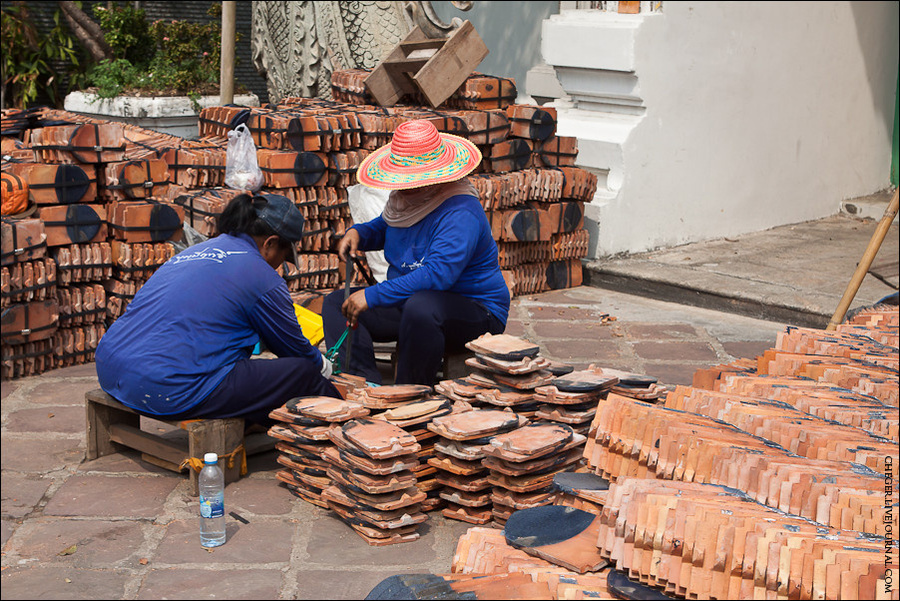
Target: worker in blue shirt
182,349
444,286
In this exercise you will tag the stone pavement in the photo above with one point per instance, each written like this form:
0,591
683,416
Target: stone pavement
120,528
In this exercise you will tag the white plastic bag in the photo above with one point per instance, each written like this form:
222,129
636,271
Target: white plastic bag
242,170
365,205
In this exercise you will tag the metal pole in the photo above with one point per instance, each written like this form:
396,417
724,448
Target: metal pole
874,244
226,76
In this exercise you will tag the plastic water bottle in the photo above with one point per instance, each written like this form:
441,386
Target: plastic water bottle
212,502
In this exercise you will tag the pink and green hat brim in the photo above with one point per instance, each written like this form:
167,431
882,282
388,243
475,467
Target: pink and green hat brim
459,157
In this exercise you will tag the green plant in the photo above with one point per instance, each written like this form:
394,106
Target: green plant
175,57
28,57
127,32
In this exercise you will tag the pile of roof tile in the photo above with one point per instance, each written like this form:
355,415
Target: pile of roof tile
411,407
96,227
523,462
303,431
363,469
771,481
765,486
488,479
709,542
374,482
458,455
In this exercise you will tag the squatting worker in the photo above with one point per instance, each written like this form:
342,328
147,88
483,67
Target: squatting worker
444,286
182,348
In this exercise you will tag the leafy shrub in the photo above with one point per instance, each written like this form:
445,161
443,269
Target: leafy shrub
160,58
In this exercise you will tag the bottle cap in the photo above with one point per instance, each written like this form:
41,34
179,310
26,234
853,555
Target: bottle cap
210,458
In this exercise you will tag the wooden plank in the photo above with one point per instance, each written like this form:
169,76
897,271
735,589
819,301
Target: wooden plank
100,418
380,84
451,65
168,465
137,439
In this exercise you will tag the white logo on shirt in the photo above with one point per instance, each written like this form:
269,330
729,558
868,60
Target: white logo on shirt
210,254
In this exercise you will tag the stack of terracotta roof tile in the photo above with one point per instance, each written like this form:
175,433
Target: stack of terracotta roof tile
99,193
373,489
704,541
414,417
522,464
633,438
30,306
799,432
410,407
486,551
458,456
302,432
572,398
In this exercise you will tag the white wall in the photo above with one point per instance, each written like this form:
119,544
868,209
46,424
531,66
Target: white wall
757,114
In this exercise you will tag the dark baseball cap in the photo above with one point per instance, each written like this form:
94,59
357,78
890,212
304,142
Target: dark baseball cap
280,214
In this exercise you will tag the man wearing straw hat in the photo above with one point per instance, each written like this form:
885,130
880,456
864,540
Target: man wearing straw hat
444,286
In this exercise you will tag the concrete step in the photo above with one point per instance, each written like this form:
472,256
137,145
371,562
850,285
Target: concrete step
794,274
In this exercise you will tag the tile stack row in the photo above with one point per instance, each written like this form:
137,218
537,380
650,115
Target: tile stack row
411,408
703,541
508,471
95,228
459,454
635,439
360,468
303,438
770,483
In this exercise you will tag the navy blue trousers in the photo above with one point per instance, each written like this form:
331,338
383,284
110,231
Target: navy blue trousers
425,326
256,386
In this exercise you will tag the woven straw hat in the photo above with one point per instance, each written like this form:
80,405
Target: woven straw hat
418,156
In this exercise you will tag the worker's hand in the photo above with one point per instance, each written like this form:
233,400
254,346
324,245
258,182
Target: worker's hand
327,368
348,245
354,306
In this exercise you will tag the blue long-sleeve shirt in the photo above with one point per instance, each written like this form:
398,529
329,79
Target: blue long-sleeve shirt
450,249
200,313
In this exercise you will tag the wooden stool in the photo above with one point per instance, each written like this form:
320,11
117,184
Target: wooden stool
111,425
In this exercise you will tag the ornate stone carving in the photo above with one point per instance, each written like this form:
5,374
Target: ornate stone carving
297,45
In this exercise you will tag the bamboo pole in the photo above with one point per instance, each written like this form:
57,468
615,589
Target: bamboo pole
226,75
866,262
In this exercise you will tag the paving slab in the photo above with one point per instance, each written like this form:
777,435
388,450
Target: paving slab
222,583
40,454
259,542
109,496
331,541
50,418
62,390
21,493
80,543
337,584
53,582
257,496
